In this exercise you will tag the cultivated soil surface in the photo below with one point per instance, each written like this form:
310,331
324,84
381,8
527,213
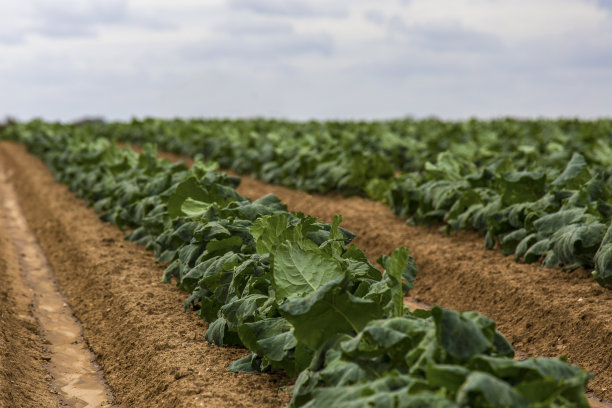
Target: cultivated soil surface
74,379
153,353
24,381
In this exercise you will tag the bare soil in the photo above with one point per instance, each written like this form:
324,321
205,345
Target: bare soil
151,351
24,381
76,379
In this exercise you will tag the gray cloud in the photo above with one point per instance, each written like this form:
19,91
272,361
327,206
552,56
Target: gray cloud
293,8
78,19
446,37
250,28
262,39
375,17
441,49
11,37
604,4
257,49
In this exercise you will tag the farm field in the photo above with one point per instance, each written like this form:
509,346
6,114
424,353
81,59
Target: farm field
136,324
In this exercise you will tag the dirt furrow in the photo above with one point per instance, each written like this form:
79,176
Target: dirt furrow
24,379
77,380
152,352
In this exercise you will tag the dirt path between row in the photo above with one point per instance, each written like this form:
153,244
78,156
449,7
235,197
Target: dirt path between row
76,379
152,352
543,312
24,381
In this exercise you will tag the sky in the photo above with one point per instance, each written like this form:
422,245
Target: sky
297,59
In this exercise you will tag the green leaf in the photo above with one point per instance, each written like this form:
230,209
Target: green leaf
537,250
402,270
447,167
510,241
577,243
461,337
575,175
447,376
267,230
218,334
482,389
392,336
243,310
524,245
189,188
603,260
250,364
327,311
272,339
221,246
297,272
193,208
551,223
521,187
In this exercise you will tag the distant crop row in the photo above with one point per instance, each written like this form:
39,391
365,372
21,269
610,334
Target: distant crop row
294,292
540,189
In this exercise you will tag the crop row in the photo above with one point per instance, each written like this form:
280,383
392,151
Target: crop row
293,291
540,190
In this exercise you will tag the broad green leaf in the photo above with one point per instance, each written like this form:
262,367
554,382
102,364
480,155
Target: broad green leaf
193,208
461,337
573,242
218,334
327,311
482,389
551,223
575,175
297,272
521,187
446,167
447,376
190,188
250,364
267,230
272,339
220,246
537,250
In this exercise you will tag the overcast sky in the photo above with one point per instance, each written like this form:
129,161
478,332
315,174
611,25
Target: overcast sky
298,59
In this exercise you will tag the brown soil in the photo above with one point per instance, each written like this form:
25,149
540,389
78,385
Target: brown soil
24,381
77,381
151,351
